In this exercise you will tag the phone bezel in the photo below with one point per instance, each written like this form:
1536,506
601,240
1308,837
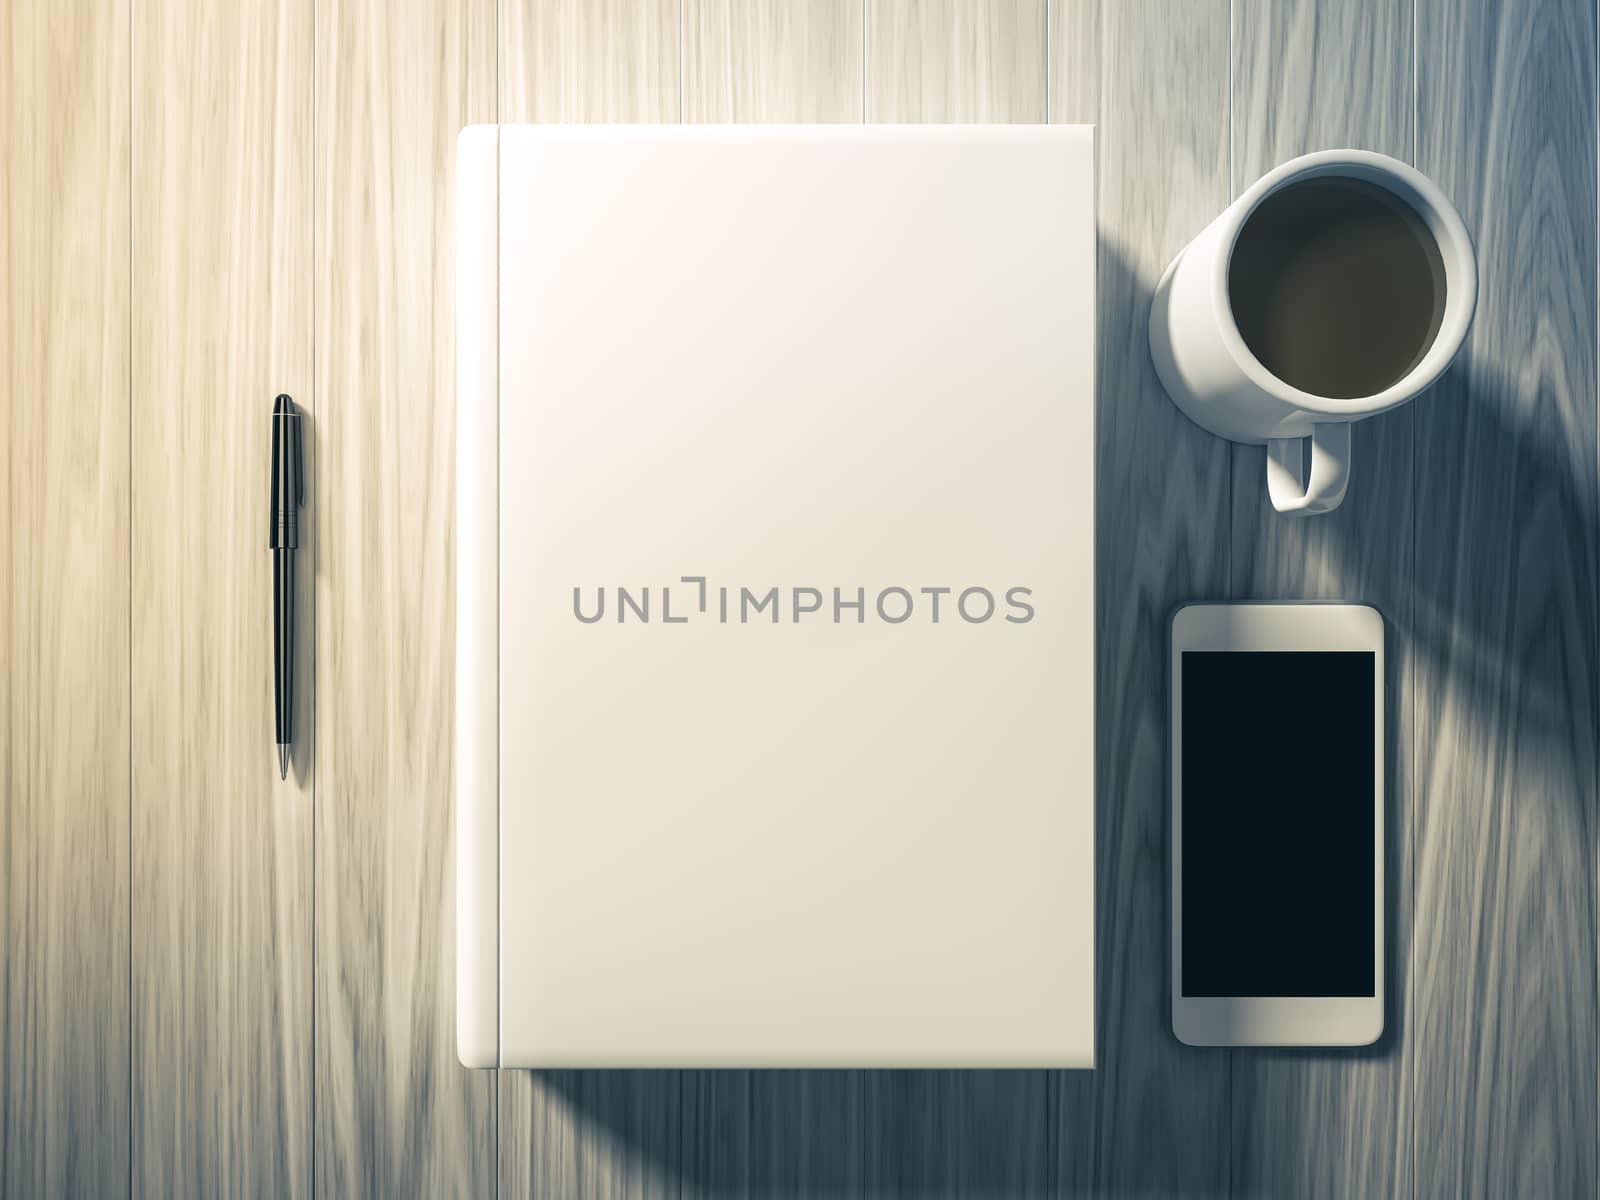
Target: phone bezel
1276,1020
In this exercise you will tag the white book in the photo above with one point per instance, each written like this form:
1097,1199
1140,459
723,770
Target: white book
775,644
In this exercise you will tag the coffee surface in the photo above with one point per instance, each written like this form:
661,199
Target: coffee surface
1336,286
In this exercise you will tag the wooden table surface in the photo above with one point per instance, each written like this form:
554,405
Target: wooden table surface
217,984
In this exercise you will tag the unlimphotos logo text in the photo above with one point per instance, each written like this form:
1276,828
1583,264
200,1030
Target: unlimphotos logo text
697,600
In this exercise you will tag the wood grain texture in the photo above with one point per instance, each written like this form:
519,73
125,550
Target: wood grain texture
64,665
1152,1119
1072,72
590,60
808,1133
179,242
395,1112
784,1133
1504,1005
591,1134
952,60
221,849
1073,83
764,60
1306,77
572,1133
956,1133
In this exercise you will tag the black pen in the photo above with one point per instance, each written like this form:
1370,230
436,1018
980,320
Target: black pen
288,493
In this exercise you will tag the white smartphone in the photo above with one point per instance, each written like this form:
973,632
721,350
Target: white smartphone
1277,720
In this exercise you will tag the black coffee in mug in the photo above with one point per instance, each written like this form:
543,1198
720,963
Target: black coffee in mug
1336,286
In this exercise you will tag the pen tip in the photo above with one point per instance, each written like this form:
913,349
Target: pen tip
283,404
283,762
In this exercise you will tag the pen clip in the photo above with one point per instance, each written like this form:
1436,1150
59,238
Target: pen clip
288,474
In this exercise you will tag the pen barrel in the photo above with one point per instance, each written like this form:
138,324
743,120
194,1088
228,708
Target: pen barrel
288,481
283,644
285,533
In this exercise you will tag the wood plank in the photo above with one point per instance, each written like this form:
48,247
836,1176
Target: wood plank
764,60
773,1132
715,1150
1152,1119
1306,77
590,60
590,1134
950,60
956,1132
221,849
566,1133
807,1133
395,1113
64,661
1072,74
1504,1005
1073,84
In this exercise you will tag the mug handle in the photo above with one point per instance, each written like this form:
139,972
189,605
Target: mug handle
1330,470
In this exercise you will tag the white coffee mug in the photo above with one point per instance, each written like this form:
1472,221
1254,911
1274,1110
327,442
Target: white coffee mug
1212,375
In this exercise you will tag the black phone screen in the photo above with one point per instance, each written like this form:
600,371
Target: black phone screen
1278,823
